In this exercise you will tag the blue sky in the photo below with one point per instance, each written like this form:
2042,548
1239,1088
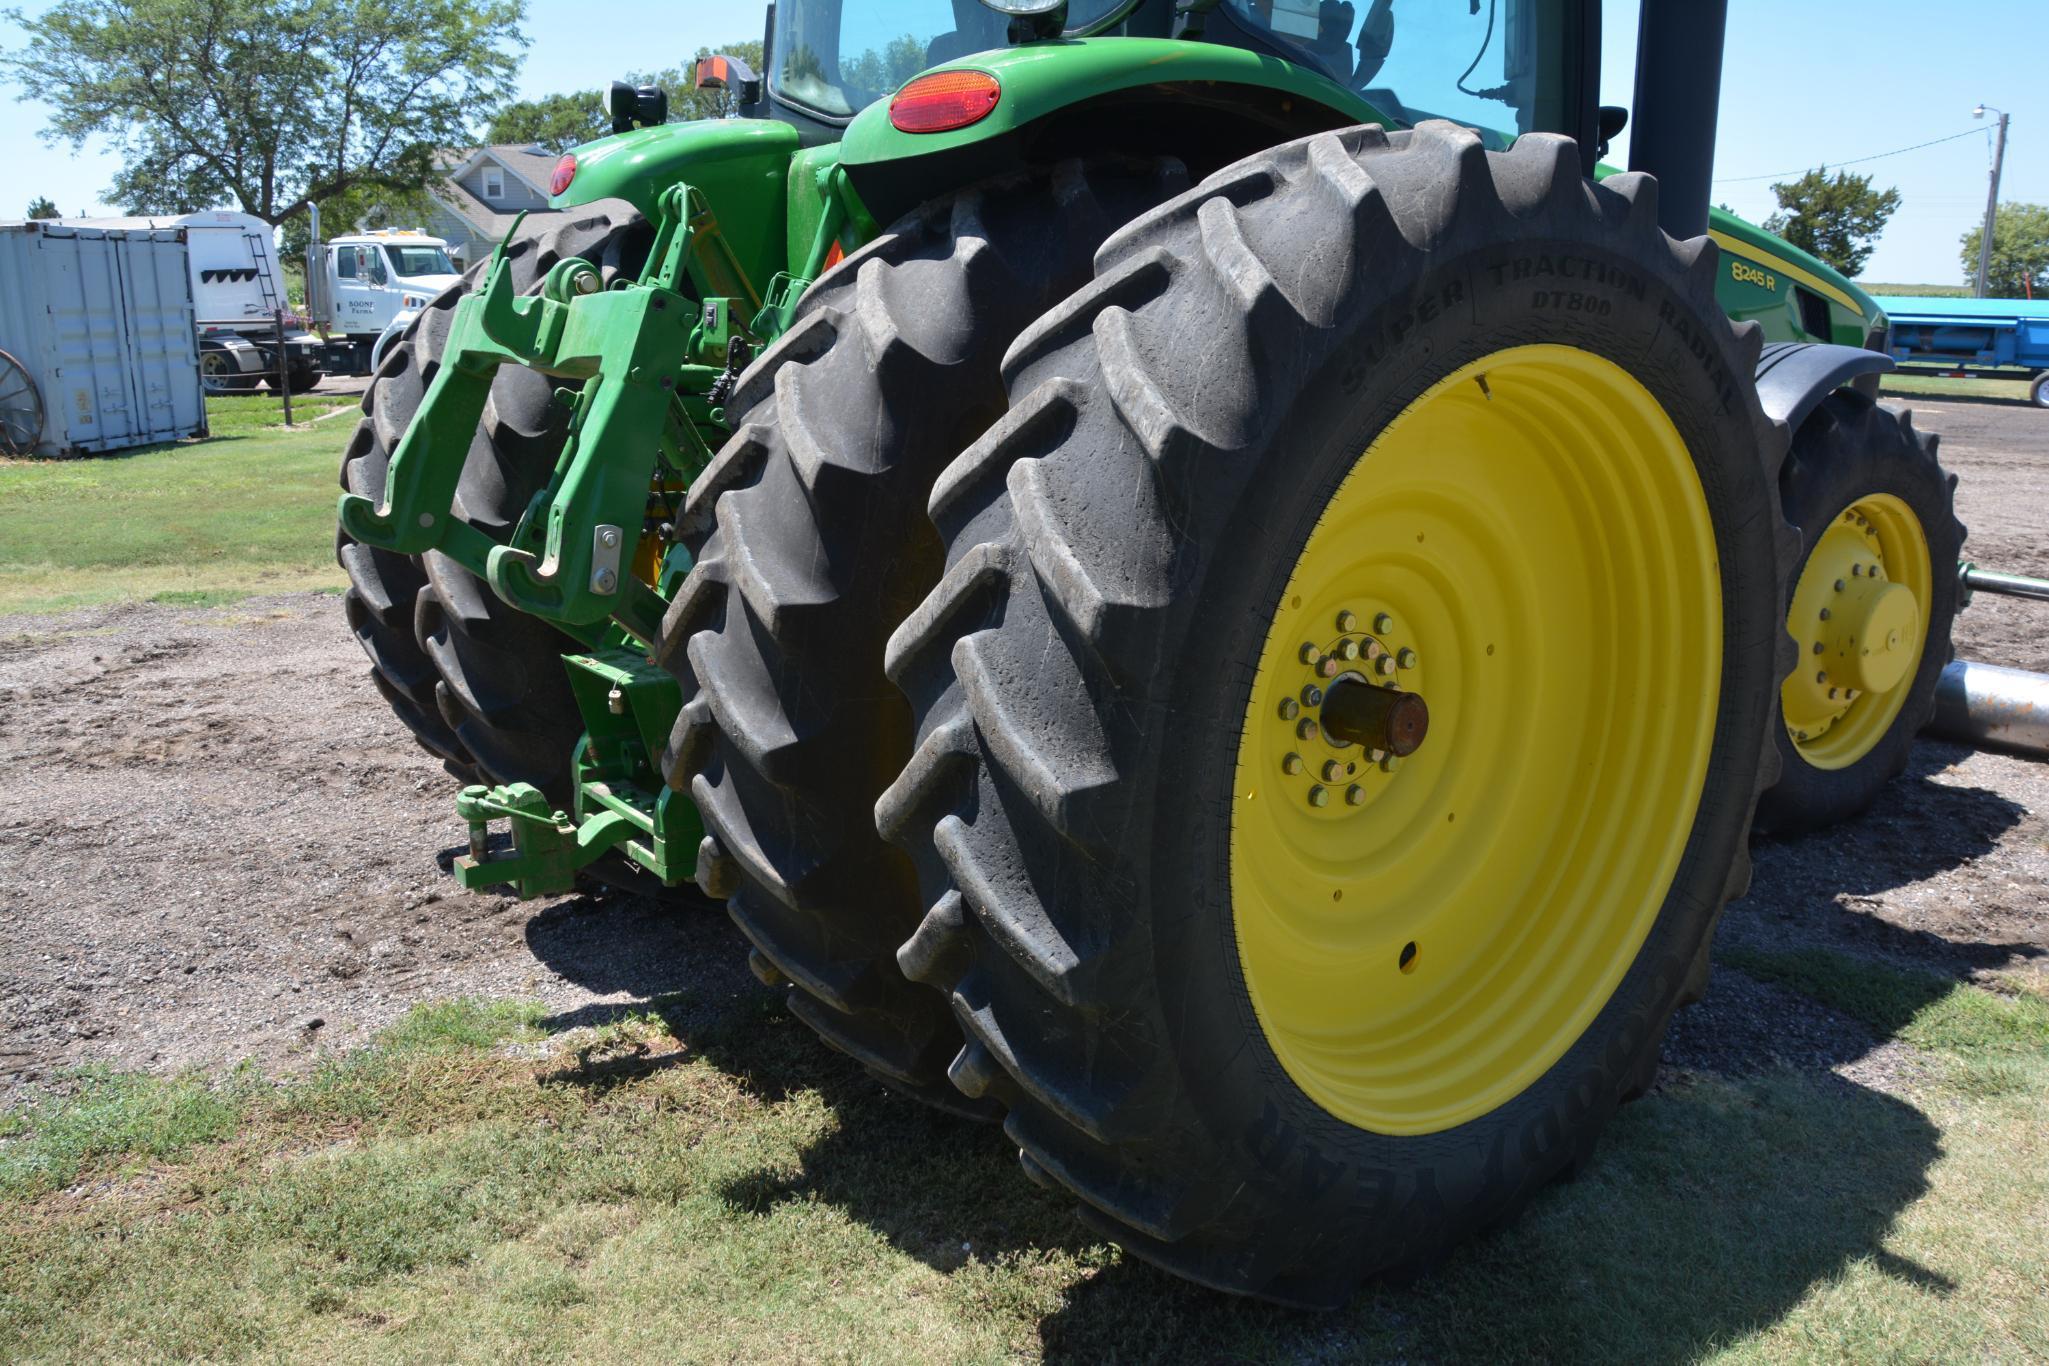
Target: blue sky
1804,83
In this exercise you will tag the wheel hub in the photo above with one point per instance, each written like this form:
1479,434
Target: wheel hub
1858,615
1431,899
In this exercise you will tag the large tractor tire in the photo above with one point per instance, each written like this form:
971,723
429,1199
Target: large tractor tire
1870,609
479,684
811,543
1364,410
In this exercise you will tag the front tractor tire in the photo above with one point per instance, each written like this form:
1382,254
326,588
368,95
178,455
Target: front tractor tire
810,543
1869,610
480,684
1372,443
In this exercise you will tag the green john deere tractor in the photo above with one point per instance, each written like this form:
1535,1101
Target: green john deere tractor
1198,577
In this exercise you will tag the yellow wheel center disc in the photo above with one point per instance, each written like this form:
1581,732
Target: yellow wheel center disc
1527,546
1859,613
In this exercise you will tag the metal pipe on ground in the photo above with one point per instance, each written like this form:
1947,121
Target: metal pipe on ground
1984,704
1978,580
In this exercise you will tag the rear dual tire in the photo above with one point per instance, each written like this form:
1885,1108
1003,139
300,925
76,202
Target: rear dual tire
810,543
1086,681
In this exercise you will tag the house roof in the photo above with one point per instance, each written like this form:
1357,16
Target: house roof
528,164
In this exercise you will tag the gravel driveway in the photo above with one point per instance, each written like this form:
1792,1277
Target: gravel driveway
216,843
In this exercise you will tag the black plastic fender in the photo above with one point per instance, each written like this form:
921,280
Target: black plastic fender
1794,377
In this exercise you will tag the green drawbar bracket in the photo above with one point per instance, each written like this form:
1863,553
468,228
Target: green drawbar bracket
629,706
621,802
547,848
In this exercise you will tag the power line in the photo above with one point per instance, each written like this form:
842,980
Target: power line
1854,161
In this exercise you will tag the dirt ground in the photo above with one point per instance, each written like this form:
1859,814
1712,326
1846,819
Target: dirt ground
216,844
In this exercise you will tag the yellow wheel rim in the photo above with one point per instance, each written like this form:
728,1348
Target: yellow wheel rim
1860,614
1528,546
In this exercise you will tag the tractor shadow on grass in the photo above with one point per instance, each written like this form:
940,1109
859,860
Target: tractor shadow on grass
1713,1207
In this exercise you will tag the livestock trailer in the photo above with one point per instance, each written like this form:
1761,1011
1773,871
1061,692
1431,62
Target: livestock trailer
97,350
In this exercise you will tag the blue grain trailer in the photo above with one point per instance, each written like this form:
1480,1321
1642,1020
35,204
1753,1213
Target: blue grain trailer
1975,338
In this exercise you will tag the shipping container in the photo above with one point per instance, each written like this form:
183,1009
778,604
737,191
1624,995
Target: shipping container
99,323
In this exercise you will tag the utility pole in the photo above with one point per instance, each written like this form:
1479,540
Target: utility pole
1992,195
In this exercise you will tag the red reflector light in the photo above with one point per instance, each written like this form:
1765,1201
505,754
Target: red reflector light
943,101
565,171
832,258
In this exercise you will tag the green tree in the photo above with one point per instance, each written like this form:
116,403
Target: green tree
270,104
555,122
1836,217
41,207
2020,252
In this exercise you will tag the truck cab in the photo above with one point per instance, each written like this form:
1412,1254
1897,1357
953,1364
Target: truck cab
378,275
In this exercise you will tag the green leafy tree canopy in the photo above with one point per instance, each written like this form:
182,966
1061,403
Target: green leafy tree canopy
43,207
2020,252
1835,217
270,104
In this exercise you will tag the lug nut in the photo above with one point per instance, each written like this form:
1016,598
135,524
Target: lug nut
1824,614
1309,654
1347,622
1291,764
1817,647
608,537
1407,658
1319,796
1355,795
1312,696
1327,667
1383,623
1390,762
1290,709
1332,770
1384,665
1306,729
1821,675
1839,585
1348,649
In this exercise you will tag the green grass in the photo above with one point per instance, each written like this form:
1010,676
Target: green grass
705,1181
1932,1012
1917,291
197,524
1905,384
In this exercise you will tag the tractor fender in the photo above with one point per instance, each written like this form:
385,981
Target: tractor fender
1794,377
1207,103
740,165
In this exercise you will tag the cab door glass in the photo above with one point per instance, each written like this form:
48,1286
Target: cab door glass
1499,65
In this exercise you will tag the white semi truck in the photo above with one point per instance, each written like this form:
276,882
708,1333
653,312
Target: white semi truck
371,278
357,285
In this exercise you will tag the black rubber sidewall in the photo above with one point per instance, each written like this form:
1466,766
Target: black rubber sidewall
1403,1196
